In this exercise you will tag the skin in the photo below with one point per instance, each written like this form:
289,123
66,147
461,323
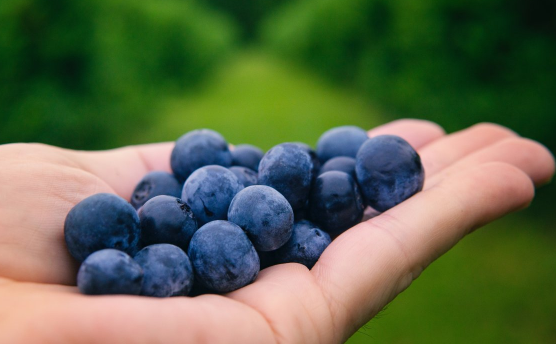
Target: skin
473,177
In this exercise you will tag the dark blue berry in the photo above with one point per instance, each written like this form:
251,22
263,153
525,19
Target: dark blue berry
340,163
246,176
335,203
305,245
389,171
167,271
154,184
209,191
199,148
222,256
101,221
340,141
264,214
109,271
247,156
288,169
167,220
314,158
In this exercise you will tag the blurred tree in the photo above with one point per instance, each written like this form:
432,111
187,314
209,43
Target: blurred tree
81,73
247,13
455,62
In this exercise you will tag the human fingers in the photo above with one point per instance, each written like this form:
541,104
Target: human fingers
440,154
367,266
295,291
416,132
528,155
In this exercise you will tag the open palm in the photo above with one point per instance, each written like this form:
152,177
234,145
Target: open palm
472,177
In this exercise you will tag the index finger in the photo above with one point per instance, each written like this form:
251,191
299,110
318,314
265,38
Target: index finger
378,259
367,266
416,132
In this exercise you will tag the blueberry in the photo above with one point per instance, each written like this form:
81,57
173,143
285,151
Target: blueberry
153,184
314,158
340,163
101,221
246,176
223,258
288,169
209,191
247,156
199,148
305,245
167,271
109,271
335,203
166,220
264,214
389,171
340,141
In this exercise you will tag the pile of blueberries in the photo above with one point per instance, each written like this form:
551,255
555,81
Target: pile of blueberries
225,214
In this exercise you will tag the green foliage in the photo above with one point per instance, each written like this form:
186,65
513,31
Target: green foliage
453,62
247,13
77,73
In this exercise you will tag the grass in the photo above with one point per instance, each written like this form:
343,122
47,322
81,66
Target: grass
258,100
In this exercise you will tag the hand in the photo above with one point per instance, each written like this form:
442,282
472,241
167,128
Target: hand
472,177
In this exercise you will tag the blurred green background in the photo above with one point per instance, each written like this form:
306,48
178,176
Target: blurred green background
95,74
